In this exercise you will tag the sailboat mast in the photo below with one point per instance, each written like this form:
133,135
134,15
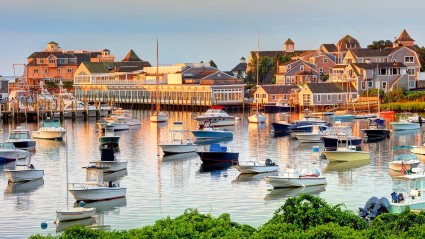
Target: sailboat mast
258,62
66,168
157,86
379,91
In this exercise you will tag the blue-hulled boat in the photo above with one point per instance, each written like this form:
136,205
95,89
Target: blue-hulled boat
343,118
218,154
304,125
211,133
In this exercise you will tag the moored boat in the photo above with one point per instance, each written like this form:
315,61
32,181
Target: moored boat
74,214
251,167
209,132
175,144
50,129
216,116
8,153
109,162
109,138
24,171
217,154
346,153
21,138
376,130
403,162
294,179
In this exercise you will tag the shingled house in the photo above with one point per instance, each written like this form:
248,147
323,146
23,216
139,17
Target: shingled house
325,94
276,93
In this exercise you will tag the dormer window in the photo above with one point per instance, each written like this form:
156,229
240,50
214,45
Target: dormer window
325,60
289,67
409,59
40,61
301,67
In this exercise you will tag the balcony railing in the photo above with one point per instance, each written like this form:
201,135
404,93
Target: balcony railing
116,82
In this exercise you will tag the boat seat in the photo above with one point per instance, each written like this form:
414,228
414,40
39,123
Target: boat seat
415,193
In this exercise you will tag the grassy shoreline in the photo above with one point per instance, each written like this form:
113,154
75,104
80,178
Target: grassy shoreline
305,216
404,106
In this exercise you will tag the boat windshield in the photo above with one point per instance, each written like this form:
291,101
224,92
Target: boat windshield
19,135
51,123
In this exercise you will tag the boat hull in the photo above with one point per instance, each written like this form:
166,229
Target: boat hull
16,176
28,144
74,214
216,121
97,194
276,108
8,155
376,134
346,156
257,118
308,137
256,168
213,134
400,207
404,126
169,149
218,157
396,165
48,134
117,126
418,150
292,182
112,166
281,127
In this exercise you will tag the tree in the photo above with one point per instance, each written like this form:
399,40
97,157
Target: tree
212,63
421,54
380,44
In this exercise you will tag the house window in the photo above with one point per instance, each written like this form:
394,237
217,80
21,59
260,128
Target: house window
52,61
369,84
285,97
59,70
382,72
409,59
40,61
61,61
385,60
69,70
363,85
301,68
321,69
339,97
325,60
319,98
367,61
329,98
411,71
384,85
412,84
292,79
35,71
46,71
394,71
273,97
289,67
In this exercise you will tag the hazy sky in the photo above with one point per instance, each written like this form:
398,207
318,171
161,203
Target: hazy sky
195,30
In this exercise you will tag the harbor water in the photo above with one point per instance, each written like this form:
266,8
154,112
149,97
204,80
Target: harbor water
159,186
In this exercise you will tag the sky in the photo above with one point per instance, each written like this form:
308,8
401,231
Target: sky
197,30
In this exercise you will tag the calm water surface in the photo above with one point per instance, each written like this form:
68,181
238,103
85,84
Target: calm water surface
159,186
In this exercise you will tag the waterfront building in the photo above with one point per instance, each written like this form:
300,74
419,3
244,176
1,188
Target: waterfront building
326,94
286,94
56,64
179,84
240,70
4,89
297,72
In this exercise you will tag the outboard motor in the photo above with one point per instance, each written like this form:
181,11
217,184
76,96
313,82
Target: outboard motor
269,162
380,207
363,212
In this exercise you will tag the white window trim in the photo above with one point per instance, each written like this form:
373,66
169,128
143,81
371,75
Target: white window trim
325,60
339,97
408,61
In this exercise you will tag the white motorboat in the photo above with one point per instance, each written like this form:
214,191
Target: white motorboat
174,143
346,153
21,138
118,126
405,123
123,116
257,118
403,162
74,214
294,179
158,117
418,149
256,166
216,116
24,171
50,129
8,153
94,189
309,137
109,162
109,138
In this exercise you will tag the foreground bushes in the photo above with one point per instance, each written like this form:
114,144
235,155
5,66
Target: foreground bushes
303,217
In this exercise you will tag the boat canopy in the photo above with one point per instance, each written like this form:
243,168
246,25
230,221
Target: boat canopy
51,123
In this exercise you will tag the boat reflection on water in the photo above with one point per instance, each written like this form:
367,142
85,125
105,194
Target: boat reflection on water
246,177
23,187
344,166
62,226
114,175
283,193
214,167
183,156
280,134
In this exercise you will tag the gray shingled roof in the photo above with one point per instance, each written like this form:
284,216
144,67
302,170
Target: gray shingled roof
330,47
331,87
278,89
380,65
106,67
365,52
240,67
